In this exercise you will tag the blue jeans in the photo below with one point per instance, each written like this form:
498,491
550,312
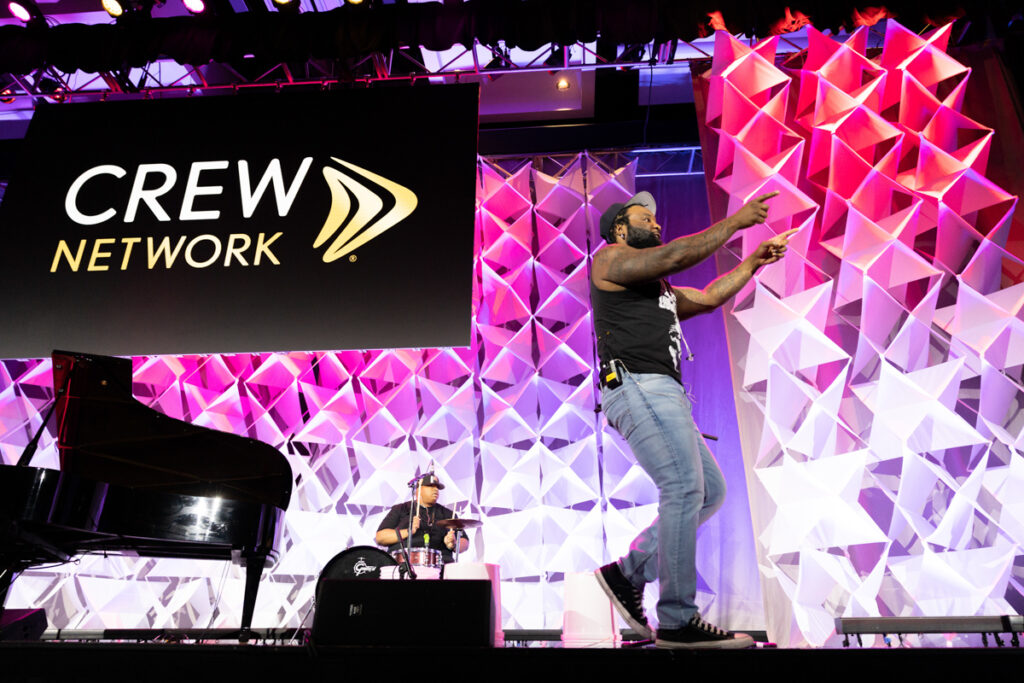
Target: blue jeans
652,412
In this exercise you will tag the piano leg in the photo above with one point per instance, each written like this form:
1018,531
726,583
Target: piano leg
253,573
7,576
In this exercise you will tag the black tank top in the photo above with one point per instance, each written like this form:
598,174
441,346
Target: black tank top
639,327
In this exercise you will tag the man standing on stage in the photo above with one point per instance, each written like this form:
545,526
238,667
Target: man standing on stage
636,319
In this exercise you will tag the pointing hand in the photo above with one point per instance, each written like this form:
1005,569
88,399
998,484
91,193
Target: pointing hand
755,211
772,250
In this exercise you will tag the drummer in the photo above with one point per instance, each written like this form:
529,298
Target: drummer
394,528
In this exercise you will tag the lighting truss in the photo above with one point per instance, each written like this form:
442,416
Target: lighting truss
657,162
412,64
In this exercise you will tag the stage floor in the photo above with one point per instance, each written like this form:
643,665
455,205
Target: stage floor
103,662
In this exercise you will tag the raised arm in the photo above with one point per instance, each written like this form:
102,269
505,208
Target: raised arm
691,302
620,265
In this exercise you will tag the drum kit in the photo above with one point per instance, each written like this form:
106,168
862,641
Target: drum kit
369,562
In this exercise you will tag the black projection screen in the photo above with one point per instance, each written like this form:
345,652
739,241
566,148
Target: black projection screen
264,222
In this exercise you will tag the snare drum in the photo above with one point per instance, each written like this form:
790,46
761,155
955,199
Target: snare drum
420,557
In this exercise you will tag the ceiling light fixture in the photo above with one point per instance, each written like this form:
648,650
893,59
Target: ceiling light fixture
27,12
51,88
559,57
19,11
113,8
124,10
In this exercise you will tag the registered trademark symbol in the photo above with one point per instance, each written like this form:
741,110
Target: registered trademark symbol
352,258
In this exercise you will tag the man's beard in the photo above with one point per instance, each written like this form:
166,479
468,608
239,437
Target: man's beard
641,239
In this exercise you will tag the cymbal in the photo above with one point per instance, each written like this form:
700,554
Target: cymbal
459,523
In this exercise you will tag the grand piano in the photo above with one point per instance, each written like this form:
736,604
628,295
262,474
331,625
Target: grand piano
134,480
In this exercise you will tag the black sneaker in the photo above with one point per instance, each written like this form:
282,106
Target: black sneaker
627,599
700,634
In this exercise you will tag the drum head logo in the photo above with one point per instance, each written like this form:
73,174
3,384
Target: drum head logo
363,205
360,567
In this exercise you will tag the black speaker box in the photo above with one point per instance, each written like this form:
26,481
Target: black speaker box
22,624
411,613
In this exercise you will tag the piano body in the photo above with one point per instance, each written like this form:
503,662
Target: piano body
134,480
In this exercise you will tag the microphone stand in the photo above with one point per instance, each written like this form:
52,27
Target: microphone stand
414,507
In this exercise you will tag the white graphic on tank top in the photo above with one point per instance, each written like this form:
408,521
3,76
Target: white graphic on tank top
667,301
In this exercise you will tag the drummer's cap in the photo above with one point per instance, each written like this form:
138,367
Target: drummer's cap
431,480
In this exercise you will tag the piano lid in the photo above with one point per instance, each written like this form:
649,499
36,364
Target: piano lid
105,434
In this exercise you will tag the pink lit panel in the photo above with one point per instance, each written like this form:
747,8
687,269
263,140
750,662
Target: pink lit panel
877,369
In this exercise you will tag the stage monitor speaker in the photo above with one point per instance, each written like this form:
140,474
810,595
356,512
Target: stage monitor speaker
410,613
22,624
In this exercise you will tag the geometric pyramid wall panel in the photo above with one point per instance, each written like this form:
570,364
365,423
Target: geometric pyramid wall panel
878,366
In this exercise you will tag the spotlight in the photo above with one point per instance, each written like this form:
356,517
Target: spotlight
113,8
286,5
19,11
557,58
125,9
26,11
194,6
563,83
7,96
52,89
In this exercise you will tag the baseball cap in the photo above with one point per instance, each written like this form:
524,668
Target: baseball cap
643,199
431,480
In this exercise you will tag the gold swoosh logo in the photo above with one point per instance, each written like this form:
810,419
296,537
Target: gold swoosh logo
366,222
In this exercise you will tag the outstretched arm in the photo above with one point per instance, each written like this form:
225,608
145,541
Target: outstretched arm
623,265
691,302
